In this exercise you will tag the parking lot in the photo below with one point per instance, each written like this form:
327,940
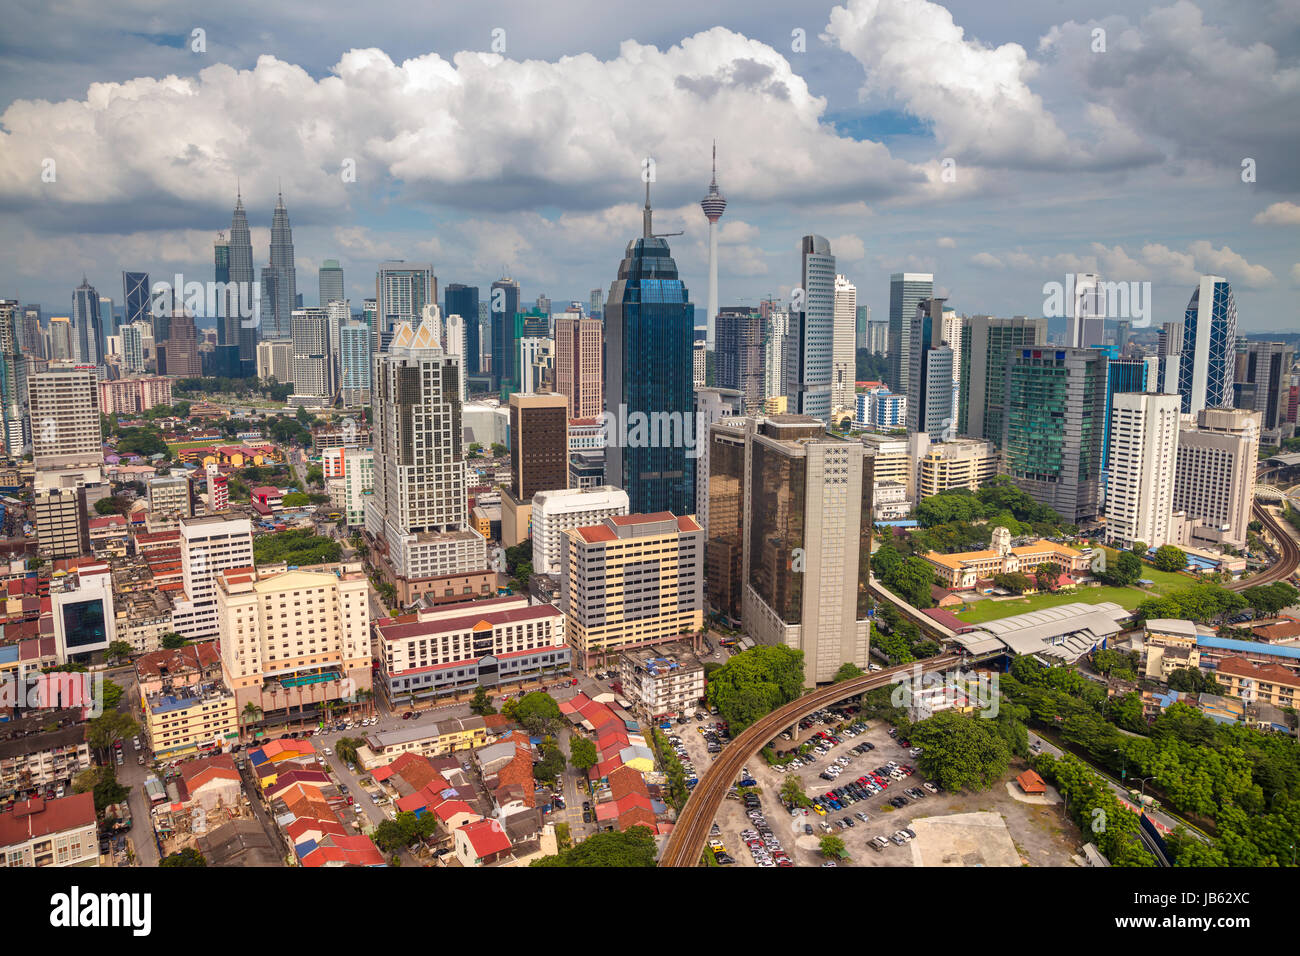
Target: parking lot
695,737
949,828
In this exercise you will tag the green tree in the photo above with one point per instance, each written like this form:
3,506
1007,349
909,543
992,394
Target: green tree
171,640
847,671
1140,549
582,753
110,726
537,711
832,847
552,763
499,450
112,506
118,650
756,682
186,857
347,748
296,499
107,790
1167,557
962,752
792,791
633,847
481,703
112,695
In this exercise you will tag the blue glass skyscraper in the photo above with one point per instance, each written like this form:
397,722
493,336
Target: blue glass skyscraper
462,300
1208,364
649,329
1122,375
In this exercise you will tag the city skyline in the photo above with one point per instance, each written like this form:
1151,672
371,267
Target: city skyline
882,194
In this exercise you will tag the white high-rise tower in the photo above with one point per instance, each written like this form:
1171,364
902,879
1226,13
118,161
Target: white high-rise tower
713,205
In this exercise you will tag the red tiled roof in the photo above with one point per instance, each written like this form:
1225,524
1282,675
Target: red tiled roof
487,837
1274,673
534,612
37,817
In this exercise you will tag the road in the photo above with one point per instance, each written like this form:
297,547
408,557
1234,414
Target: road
1288,551
1163,821
686,843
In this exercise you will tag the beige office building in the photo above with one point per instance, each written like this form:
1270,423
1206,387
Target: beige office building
294,638
1215,478
631,581
960,463
579,372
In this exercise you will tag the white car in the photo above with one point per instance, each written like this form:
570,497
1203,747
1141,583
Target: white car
327,752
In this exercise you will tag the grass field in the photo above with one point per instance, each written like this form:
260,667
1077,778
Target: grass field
1163,581
181,445
991,610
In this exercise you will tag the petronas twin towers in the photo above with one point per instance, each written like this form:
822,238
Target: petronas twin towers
279,287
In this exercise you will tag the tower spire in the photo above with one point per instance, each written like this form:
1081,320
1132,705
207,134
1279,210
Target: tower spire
646,213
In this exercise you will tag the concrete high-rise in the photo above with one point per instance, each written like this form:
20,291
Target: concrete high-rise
844,346
1263,383
330,280
631,581
930,390
713,205
313,362
67,443
418,515
555,512
1142,463
649,335
738,354
810,345
1215,481
454,339
402,290
806,501
986,342
1208,362
13,382
1085,326
906,290
579,370
209,545
1053,428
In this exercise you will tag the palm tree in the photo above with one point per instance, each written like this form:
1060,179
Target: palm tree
251,715
366,696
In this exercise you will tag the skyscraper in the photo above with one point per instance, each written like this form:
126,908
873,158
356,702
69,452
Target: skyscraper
1208,362
809,346
419,510
63,347
844,359
133,346
462,300
1053,427
279,324
313,359
539,459
986,342
227,314
649,329
1122,375
107,326
402,290
179,354
453,342
738,355
1140,476
67,443
713,205
1215,481
1085,326
597,303
13,381
930,389
244,282
806,506
503,304
136,300
330,279
861,337
776,330
31,335
1263,383
579,375
354,364
86,326
906,289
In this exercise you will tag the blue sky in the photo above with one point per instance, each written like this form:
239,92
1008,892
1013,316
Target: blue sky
509,138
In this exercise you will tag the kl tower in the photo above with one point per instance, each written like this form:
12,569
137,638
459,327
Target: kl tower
713,205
